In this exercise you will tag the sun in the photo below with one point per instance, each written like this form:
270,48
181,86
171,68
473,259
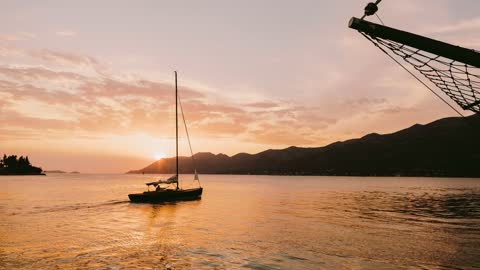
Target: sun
158,155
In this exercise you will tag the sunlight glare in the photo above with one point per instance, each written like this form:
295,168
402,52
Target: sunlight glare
158,156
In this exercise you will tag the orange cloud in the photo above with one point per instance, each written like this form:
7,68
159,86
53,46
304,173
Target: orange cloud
17,36
224,128
50,57
38,73
91,106
63,57
263,105
66,33
15,119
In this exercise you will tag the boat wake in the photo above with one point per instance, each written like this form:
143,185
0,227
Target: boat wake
69,207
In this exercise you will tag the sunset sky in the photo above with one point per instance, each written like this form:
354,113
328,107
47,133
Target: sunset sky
88,85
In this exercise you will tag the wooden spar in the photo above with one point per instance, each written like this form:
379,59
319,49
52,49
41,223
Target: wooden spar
176,124
457,53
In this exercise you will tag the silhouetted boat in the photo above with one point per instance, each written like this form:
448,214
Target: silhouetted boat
165,194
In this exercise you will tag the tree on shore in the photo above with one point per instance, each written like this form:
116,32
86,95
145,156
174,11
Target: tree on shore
12,165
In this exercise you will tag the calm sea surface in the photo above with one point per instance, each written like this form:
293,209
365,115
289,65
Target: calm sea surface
242,222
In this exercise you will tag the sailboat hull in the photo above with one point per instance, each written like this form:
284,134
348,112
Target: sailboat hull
166,195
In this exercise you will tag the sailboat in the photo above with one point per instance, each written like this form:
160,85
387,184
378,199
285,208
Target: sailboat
163,191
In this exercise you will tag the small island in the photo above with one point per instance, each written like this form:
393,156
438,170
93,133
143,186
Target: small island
60,171
12,165
54,171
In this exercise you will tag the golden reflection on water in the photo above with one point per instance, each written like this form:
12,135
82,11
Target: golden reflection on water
242,222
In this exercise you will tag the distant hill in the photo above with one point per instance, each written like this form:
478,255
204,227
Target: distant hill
446,147
54,171
60,171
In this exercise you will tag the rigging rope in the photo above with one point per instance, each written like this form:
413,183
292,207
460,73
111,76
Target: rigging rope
411,73
459,81
188,138
378,17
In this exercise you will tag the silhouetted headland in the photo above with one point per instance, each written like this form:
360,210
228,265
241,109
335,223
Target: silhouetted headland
444,148
12,165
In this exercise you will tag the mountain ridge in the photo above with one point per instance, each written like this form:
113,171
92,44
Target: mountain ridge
445,147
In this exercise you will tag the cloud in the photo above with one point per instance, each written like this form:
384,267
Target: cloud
15,119
104,105
50,57
21,93
20,36
463,32
396,110
461,26
220,129
263,105
63,58
364,101
97,104
18,134
66,33
38,73
8,50
283,135
54,98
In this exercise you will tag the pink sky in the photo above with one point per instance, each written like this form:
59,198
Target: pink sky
87,86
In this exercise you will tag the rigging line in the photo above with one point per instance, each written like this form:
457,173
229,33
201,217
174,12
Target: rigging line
411,73
185,124
378,17
188,136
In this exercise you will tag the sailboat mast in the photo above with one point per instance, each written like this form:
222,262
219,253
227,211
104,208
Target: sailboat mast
176,123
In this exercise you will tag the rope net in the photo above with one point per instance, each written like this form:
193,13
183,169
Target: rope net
459,81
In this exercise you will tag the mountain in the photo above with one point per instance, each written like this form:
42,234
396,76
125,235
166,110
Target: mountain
446,147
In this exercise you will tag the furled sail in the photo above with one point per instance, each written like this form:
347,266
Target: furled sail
171,180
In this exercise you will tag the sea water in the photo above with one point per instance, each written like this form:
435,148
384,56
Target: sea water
85,221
